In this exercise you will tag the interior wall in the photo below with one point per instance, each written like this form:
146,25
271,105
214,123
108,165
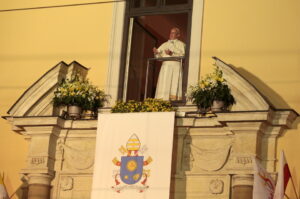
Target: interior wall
160,25
261,38
33,41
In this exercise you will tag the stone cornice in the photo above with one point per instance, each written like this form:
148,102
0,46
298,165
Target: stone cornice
49,123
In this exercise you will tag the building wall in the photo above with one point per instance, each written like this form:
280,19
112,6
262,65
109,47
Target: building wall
261,38
32,41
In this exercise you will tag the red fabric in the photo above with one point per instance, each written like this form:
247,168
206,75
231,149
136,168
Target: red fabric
287,174
284,175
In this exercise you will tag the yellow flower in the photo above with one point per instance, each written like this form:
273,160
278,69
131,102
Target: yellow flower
206,83
221,79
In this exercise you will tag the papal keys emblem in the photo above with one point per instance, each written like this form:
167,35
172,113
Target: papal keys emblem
132,174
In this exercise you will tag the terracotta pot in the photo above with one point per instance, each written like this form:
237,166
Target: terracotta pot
74,112
217,106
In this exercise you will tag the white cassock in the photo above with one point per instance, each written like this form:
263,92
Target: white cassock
169,84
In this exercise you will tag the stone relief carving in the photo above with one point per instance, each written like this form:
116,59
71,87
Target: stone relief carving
244,160
66,183
38,160
216,186
80,158
206,154
210,159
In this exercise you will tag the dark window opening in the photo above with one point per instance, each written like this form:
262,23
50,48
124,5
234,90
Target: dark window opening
175,2
145,3
147,25
142,4
148,32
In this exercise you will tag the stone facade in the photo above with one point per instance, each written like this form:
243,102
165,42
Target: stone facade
212,154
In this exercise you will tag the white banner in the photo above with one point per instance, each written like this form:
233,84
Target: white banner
263,185
133,156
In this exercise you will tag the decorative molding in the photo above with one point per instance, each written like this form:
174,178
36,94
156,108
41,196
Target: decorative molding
38,160
216,186
79,159
242,180
244,160
38,178
247,97
207,159
37,99
66,183
210,159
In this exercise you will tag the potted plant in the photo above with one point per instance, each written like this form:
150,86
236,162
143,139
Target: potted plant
78,95
211,93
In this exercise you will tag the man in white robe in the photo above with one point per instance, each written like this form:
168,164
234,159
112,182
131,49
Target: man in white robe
169,85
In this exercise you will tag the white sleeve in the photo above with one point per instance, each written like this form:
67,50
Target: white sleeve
178,49
160,50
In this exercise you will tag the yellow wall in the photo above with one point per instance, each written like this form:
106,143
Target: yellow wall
33,41
261,38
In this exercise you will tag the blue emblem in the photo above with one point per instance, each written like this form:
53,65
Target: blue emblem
131,169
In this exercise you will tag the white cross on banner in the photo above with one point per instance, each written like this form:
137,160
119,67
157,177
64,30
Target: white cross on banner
133,156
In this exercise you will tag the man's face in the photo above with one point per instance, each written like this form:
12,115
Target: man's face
174,34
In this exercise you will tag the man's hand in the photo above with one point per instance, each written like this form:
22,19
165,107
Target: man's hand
155,51
168,52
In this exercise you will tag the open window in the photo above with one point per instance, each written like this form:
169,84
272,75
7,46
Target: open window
129,13
147,25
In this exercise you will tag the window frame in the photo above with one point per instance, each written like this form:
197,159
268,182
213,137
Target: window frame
113,84
158,10
160,5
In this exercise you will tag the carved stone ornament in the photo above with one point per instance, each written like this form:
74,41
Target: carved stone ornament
210,159
216,186
243,160
79,159
66,183
37,160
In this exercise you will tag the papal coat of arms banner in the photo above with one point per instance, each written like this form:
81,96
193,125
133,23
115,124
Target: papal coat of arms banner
133,156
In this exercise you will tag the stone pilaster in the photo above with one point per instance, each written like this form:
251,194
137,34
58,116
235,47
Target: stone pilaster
242,186
39,186
42,134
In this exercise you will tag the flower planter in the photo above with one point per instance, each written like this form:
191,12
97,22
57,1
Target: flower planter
217,106
79,92
202,111
74,112
212,91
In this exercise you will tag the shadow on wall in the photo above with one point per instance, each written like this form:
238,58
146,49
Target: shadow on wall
270,95
20,193
179,158
295,126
